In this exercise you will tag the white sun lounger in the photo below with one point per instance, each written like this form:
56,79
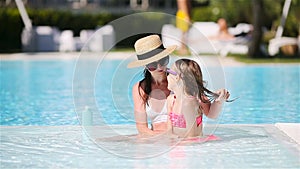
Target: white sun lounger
198,39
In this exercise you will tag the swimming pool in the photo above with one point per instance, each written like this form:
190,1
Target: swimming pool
43,92
246,146
40,127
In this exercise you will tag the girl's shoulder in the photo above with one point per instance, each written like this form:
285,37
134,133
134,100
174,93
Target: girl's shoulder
170,98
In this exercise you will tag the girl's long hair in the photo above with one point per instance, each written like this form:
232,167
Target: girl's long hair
191,75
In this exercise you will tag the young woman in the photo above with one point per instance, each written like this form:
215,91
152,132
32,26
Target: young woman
190,99
150,94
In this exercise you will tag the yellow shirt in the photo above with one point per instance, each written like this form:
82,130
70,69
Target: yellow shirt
182,21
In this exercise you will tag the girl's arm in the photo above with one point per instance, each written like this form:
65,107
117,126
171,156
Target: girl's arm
140,112
212,110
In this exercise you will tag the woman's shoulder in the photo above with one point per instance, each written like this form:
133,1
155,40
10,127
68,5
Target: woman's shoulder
140,84
138,87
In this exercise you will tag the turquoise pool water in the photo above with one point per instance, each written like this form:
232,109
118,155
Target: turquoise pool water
43,93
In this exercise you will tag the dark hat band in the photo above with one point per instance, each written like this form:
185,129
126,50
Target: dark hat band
151,53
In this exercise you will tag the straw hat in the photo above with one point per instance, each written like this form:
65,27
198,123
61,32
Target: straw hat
150,49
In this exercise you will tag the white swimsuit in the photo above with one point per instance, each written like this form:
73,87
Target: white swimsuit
157,117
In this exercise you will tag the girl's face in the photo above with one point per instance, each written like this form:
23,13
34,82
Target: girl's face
172,78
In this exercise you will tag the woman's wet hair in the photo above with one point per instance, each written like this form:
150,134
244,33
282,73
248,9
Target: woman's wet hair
145,84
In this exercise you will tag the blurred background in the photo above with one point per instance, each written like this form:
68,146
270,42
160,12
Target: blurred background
78,19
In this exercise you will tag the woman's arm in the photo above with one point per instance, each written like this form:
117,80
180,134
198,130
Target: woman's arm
212,110
170,127
140,112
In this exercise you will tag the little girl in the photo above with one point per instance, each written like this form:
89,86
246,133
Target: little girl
190,99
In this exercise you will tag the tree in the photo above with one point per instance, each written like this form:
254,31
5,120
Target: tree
258,13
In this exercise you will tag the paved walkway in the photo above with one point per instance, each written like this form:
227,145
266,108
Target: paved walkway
225,61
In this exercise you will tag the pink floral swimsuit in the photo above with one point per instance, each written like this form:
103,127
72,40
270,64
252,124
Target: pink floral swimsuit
178,120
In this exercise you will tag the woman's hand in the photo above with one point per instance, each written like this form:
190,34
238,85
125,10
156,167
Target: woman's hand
223,95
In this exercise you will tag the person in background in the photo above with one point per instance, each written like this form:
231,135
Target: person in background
223,33
183,20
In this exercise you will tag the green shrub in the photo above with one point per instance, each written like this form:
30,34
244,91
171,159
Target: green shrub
12,25
10,30
234,11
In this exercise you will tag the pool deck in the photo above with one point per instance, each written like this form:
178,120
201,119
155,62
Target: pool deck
116,146
291,130
225,61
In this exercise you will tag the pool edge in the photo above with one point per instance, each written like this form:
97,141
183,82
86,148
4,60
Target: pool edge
291,130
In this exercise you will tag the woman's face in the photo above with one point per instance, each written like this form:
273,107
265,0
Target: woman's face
159,70
158,67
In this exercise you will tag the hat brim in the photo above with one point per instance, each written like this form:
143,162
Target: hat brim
154,58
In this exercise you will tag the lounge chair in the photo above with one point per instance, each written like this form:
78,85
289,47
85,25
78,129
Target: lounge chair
199,38
276,43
